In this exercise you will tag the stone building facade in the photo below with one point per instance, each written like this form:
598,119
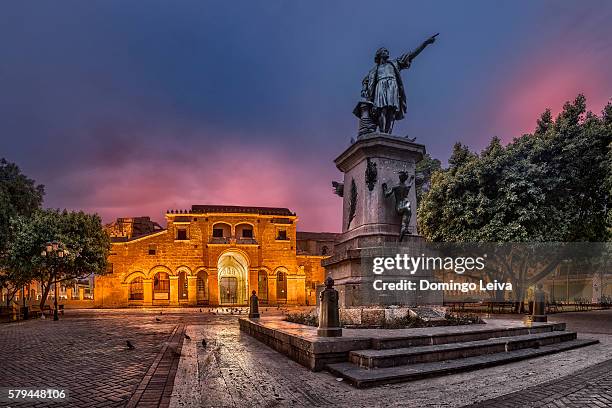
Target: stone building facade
213,255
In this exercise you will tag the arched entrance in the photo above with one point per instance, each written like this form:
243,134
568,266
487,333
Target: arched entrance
161,286
136,291
233,278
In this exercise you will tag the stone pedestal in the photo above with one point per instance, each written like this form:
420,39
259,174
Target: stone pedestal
370,221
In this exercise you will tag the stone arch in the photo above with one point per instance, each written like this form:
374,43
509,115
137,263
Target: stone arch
161,282
132,275
159,268
183,286
202,287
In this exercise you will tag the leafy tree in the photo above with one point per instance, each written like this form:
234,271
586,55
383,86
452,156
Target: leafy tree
550,186
81,234
19,196
424,170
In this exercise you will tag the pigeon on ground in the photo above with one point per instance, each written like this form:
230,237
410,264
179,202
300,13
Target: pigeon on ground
200,310
204,343
161,312
187,336
129,345
158,319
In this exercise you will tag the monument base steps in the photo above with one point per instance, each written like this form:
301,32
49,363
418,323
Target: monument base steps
410,359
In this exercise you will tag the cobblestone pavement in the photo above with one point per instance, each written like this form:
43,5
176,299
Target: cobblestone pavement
235,370
591,387
85,353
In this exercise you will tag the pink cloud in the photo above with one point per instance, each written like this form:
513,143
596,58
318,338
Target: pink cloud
228,173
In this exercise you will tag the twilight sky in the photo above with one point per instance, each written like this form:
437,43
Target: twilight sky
129,108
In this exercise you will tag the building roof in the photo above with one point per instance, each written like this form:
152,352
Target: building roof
202,209
317,236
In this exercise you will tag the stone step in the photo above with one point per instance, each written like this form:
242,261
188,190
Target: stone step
470,334
362,378
450,351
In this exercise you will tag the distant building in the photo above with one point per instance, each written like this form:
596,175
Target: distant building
213,255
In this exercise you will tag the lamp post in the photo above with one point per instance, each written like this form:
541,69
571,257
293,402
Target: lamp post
54,249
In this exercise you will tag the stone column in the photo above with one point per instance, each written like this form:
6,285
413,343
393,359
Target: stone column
192,290
147,287
329,315
174,290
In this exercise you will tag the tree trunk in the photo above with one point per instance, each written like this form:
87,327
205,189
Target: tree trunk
46,289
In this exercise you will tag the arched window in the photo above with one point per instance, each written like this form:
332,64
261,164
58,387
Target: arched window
281,287
182,285
244,232
221,232
136,289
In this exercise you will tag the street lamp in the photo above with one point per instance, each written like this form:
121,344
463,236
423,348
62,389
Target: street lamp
54,248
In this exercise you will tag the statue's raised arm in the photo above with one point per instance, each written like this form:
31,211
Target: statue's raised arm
406,59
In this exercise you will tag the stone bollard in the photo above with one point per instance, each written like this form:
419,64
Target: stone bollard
254,306
329,315
539,306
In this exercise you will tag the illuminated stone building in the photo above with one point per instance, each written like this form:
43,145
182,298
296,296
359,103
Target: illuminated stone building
213,255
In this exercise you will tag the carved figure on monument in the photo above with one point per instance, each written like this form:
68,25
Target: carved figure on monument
402,203
371,174
383,99
352,203
338,188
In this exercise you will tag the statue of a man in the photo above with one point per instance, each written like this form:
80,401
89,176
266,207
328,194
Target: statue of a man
383,90
402,202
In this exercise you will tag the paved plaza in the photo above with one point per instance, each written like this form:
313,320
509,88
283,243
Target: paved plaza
86,354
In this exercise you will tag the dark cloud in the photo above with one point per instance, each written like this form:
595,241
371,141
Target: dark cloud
129,108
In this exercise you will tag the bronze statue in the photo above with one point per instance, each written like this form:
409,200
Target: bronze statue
383,96
402,203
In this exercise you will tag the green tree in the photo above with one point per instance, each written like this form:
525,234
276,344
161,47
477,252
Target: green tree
550,186
19,196
424,170
81,234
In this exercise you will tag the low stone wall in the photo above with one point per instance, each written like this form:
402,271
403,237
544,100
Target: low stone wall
313,353
377,317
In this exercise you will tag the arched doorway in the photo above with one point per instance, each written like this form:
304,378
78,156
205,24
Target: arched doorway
233,278
202,288
136,289
281,287
161,286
